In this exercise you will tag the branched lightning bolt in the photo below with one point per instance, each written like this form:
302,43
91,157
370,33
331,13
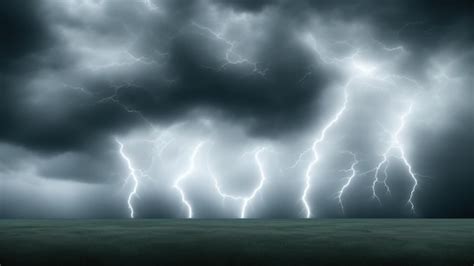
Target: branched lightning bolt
395,144
184,175
160,142
371,74
133,174
245,199
352,173
314,149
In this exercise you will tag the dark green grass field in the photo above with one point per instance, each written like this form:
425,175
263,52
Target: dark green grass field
237,242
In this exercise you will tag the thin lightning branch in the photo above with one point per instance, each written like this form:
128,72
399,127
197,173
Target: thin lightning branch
315,151
127,59
352,173
133,174
115,98
231,56
395,144
300,158
78,88
160,143
383,162
184,175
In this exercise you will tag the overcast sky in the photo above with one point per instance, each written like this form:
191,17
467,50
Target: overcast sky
237,108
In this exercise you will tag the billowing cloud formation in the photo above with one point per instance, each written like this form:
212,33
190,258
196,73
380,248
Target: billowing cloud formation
236,75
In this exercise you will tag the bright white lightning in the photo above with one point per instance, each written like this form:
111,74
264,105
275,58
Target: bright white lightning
260,184
395,144
245,199
352,173
314,149
184,175
133,174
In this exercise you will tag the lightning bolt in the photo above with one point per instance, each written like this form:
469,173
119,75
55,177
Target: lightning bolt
260,184
314,149
395,144
132,173
245,199
184,175
352,173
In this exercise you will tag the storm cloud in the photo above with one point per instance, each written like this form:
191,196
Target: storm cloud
161,76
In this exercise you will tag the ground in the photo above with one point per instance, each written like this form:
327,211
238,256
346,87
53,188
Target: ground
238,242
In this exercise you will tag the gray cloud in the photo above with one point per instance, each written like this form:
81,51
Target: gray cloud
76,74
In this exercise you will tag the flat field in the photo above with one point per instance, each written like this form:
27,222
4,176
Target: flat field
238,242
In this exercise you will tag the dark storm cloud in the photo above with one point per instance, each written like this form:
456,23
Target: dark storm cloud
434,18
75,75
30,47
24,32
71,166
422,27
274,101
246,5
270,104
25,35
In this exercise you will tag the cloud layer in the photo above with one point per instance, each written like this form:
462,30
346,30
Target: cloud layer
240,75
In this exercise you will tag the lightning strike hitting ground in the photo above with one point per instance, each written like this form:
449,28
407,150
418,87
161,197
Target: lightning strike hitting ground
260,184
245,200
184,175
352,173
395,144
133,174
314,149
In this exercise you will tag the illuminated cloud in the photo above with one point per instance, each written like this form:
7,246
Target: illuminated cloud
161,76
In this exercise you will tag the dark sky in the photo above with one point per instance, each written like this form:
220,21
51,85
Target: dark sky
281,95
